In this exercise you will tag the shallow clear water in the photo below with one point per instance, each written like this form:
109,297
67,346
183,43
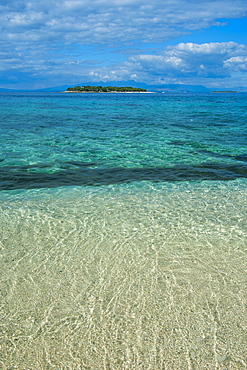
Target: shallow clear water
123,231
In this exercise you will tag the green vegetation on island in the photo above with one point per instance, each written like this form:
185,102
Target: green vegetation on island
106,89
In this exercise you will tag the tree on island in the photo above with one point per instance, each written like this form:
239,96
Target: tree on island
105,89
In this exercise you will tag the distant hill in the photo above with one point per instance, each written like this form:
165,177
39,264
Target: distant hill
6,90
169,88
164,88
48,89
53,89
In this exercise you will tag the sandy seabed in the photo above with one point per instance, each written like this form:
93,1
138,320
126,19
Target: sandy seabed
124,279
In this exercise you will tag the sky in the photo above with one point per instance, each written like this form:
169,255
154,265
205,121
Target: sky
68,42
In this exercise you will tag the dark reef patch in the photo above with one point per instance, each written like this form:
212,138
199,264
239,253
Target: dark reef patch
87,174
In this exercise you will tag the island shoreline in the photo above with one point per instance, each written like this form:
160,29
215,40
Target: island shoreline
108,92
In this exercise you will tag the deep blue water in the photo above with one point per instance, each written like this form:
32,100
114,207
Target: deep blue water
51,139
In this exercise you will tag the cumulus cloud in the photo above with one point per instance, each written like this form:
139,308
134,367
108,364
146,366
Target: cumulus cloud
45,37
185,62
189,59
238,64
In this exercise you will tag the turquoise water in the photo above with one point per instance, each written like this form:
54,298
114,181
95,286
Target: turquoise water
123,231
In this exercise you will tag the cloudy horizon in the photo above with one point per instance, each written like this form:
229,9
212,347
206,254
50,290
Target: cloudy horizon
173,42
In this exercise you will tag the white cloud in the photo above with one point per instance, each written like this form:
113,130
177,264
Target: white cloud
184,63
35,37
111,21
205,60
236,63
210,64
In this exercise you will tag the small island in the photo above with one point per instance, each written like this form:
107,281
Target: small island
223,92
102,89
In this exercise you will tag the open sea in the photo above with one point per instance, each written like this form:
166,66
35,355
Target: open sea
123,231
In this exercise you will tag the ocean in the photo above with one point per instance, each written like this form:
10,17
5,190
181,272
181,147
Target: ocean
123,231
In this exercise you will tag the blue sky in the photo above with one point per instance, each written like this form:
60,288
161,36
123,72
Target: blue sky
56,42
